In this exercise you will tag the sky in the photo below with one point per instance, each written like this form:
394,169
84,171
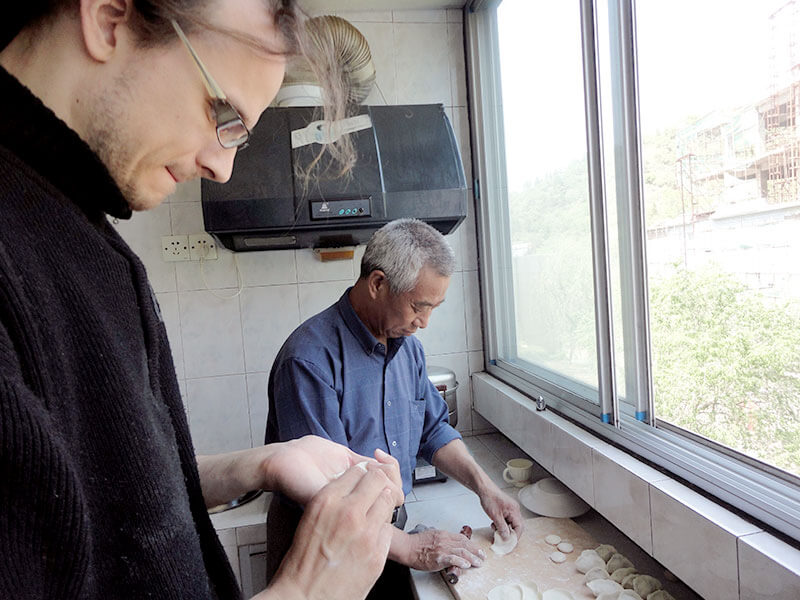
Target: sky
694,56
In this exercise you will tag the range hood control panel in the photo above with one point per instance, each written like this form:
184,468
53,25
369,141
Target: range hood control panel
340,209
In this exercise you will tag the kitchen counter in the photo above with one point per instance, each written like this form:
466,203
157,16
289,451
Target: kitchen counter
449,505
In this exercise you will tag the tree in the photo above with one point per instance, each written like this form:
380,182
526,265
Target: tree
726,364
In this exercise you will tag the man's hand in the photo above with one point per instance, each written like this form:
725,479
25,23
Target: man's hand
434,549
502,510
300,468
341,544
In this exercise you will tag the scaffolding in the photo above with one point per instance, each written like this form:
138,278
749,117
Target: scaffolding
780,112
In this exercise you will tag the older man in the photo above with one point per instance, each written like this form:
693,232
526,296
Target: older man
355,374
107,105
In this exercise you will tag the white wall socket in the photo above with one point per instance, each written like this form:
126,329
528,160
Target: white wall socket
175,248
202,247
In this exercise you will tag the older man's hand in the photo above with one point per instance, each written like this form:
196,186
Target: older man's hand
435,549
502,510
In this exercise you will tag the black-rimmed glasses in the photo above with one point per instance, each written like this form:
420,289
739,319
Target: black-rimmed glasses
231,130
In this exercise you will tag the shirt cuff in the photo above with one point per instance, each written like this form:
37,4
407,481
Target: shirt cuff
443,436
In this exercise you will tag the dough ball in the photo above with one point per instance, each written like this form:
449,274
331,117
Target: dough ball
587,560
617,561
619,574
604,586
645,585
552,539
605,551
558,557
565,547
595,573
501,546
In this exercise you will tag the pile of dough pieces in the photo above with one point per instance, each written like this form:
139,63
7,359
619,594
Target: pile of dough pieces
562,548
611,576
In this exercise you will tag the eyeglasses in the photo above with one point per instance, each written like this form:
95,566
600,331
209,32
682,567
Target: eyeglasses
231,130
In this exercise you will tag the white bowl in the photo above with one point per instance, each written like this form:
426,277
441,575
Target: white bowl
551,498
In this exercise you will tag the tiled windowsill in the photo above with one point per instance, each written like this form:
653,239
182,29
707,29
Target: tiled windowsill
717,553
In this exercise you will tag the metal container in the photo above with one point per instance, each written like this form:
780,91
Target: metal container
444,380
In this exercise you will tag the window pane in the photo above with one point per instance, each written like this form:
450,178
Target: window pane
721,152
553,330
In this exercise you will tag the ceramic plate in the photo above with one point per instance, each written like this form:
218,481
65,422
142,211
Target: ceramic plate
551,498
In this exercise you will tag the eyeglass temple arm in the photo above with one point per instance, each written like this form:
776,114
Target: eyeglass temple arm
211,86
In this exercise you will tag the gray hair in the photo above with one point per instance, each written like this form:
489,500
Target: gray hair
402,248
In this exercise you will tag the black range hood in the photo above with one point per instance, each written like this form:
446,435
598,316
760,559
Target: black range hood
408,166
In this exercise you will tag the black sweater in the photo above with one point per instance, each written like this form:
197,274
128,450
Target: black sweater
99,491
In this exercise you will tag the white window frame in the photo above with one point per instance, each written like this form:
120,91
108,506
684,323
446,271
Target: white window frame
754,488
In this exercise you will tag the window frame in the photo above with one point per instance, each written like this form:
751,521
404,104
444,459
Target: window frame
756,489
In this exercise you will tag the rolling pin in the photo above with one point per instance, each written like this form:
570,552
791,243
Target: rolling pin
451,573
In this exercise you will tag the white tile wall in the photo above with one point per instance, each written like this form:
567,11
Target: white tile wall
218,414
714,551
217,342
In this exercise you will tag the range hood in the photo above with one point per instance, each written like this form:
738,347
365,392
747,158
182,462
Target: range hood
408,165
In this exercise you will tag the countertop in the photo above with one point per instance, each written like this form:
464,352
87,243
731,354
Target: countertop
449,505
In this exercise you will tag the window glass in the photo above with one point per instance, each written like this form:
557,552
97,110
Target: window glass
719,101
553,328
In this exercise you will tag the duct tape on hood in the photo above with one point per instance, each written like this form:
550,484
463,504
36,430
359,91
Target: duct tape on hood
326,132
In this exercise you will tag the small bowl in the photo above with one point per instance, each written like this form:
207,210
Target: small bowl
551,498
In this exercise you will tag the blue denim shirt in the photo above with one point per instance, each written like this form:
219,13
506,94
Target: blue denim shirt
332,378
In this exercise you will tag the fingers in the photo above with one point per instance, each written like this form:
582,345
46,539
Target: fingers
499,524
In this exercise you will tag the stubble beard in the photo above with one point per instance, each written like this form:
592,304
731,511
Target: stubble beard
107,138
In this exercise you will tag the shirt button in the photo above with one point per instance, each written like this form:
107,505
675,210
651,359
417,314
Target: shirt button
394,443
388,403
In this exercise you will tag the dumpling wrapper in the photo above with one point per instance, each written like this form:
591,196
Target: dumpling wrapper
501,546
515,591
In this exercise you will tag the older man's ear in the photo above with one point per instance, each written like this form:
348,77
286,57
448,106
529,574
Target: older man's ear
377,284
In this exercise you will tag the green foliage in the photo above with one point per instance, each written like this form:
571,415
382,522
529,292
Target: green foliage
727,364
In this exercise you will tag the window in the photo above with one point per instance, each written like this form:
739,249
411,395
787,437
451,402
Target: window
552,331
722,206
640,215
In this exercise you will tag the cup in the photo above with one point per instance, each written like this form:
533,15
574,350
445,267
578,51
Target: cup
518,471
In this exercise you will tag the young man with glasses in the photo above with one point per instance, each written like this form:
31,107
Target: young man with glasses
107,105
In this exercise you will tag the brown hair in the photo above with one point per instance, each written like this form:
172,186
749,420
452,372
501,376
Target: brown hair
150,20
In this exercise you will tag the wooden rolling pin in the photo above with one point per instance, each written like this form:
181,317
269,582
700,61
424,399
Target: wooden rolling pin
451,573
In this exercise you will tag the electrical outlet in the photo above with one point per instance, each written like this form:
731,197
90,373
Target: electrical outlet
202,247
175,248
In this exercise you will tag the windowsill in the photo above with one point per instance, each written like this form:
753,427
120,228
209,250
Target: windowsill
714,551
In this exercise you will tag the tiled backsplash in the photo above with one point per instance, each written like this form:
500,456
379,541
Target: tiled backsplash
719,554
224,344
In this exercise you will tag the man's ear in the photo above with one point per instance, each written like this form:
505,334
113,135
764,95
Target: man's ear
100,22
377,284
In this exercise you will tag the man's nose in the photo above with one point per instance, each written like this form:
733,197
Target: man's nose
216,162
422,320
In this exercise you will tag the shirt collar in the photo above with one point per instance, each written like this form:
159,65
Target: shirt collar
364,336
39,138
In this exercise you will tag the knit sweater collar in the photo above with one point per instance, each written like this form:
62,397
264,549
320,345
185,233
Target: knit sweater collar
38,137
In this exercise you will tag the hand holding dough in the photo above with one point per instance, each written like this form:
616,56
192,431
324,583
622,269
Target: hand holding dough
501,546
